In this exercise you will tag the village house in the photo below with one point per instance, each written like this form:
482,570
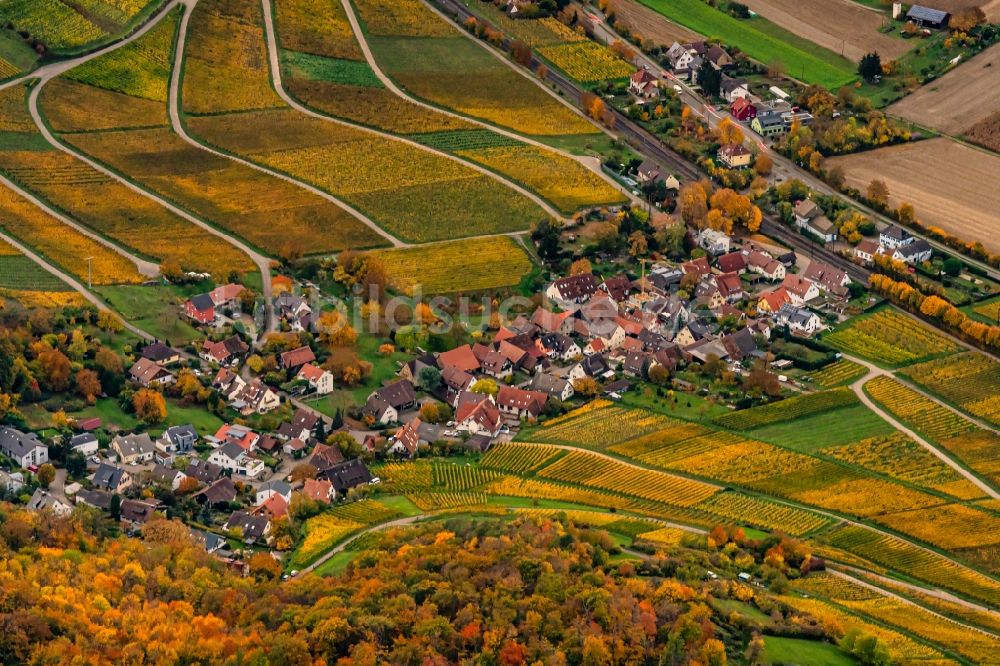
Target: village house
233,457
85,443
916,252
346,475
386,404
159,353
407,441
771,301
147,373
831,280
730,287
809,217
799,289
731,89
694,331
42,500
134,449
478,415
742,109
294,359
618,288
203,471
866,250
765,265
318,490
519,403
495,364
250,528
555,387
273,507
595,366
455,381
461,358
707,294
134,513
768,123
294,311
559,346
714,242
238,434
226,296
739,345
734,156
226,352
217,493
254,397
167,476
111,478
644,85
799,321
926,17
733,262
648,172
894,236
685,58
178,439
699,266
200,309
573,289
320,380
23,448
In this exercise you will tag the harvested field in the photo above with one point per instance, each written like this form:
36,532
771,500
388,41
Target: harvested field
833,24
951,185
642,20
961,101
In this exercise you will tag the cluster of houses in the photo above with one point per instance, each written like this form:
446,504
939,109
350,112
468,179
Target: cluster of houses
612,330
896,243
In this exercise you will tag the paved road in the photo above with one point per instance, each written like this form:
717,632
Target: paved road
71,281
409,520
875,371
143,266
272,51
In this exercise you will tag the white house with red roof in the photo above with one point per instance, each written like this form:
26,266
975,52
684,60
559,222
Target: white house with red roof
245,437
644,85
319,379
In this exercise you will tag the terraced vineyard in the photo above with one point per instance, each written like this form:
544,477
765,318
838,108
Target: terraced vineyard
969,380
589,469
476,264
600,428
764,513
586,61
453,476
838,373
519,458
787,410
69,26
19,273
890,338
916,562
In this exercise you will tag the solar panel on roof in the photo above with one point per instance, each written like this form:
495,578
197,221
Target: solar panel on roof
927,14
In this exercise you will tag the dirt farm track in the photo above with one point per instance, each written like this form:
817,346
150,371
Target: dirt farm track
958,100
951,185
834,24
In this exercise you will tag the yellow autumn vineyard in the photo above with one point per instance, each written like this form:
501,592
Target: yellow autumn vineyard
587,61
969,380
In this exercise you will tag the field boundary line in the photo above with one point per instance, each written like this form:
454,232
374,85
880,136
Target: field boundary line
910,602
276,82
387,81
859,389
71,282
262,262
143,266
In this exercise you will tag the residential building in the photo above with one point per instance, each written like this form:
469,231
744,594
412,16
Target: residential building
222,491
134,449
734,156
235,458
167,476
699,266
111,478
147,373
43,500
346,475
520,403
200,309
157,352
771,301
831,280
644,85
551,385
867,250
318,490
320,380
179,439
647,172
23,448
799,289
916,252
480,417
407,441
136,512
85,443
573,289
731,89
254,397
800,321
243,436
894,236
386,404
768,123
461,358
733,262
743,109
765,265
251,528
714,242
228,352
739,345
730,287
204,471
294,359
11,483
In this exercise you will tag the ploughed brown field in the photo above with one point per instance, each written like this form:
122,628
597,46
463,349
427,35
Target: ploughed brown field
990,7
951,185
834,24
644,21
966,100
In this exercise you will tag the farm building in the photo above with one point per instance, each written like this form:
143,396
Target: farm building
926,17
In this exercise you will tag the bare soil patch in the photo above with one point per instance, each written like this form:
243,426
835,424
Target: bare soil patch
951,185
644,21
838,25
961,99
